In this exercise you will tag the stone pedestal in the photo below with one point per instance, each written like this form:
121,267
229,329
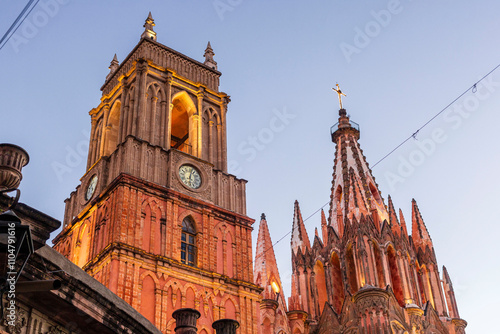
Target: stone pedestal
186,320
225,326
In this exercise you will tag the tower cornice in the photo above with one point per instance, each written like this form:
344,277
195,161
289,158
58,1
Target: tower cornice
136,54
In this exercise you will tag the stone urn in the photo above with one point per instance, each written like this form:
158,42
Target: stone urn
12,159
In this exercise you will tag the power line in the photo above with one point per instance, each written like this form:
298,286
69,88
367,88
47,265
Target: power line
472,88
288,233
16,24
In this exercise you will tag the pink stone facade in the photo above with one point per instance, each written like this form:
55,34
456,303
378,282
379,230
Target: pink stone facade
163,239
365,274
127,223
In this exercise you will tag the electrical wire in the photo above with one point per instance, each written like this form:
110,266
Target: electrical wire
13,28
472,88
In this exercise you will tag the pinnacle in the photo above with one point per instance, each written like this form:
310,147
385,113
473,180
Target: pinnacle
115,58
266,268
393,218
419,231
446,276
209,57
148,28
323,218
300,238
403,223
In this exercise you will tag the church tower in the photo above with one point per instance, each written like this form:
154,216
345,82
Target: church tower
364,273
157,218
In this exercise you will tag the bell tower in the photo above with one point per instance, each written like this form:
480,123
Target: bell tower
157,218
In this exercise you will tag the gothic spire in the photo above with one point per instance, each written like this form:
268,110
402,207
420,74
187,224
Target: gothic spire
419,233
300,239
209,57
266,272
148,28
352,177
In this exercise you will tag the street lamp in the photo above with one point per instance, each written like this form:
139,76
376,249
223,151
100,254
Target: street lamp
16,244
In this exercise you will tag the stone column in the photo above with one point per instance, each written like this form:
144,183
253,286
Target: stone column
225,326
186,320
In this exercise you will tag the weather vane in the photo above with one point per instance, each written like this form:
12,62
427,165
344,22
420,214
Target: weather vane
338,91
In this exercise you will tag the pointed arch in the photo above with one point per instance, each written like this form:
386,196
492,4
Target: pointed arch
379,268
97,142
228,297
152,213
188,242
182,128
129,112
155,113
112,129
230,308
351,269
211,135
319,274
338,286
83,244
148,299
395,276
420,283
190,297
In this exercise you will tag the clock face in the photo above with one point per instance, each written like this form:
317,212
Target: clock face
190,176
91,187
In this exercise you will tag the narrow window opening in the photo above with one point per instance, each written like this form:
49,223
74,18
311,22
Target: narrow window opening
188,242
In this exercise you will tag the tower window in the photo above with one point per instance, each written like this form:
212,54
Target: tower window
188,242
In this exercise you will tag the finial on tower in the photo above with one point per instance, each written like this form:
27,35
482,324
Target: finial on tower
209,57
339,92
344,124
148,31
263,216
113,66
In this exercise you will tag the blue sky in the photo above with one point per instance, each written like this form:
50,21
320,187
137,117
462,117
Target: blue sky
399,62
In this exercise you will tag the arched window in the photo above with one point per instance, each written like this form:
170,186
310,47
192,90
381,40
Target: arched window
188,242
397,286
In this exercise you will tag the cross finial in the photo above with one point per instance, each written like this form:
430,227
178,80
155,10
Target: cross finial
339,92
